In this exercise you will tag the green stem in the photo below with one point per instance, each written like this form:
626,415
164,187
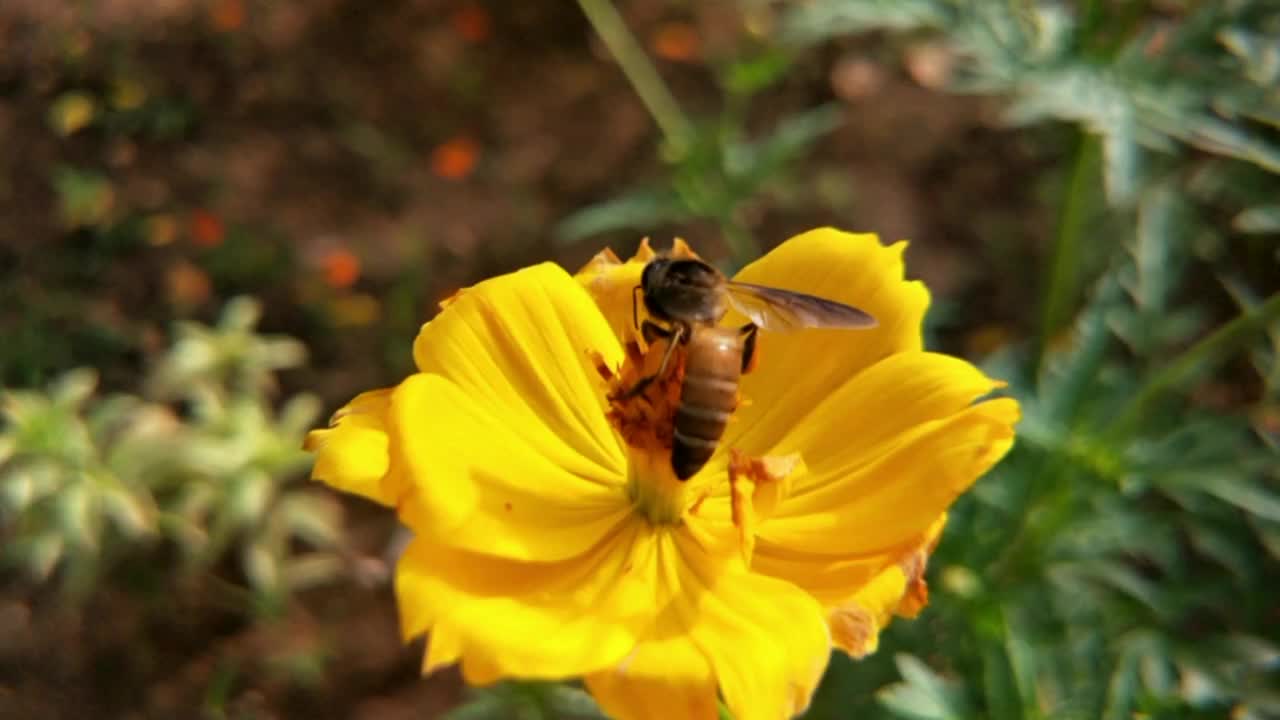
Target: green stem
1064,267
641,73
1209,351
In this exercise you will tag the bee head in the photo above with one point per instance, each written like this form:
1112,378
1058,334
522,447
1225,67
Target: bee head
683,290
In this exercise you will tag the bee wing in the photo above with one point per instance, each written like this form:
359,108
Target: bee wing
778,310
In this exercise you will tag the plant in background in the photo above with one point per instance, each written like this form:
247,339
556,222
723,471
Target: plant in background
1118,563
1190,91
715,169
203,462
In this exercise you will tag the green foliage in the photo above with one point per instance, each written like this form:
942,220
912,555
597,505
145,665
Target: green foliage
1115,563
527,701
202,464
712,178
1139,81
716,169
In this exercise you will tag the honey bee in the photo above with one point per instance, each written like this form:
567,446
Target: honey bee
686,300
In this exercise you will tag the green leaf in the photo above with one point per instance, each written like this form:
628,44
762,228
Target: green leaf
73,389
999,684
1258,220
262,567
751,75
813,22
1247,495
636,209
923,694
573,702
793,136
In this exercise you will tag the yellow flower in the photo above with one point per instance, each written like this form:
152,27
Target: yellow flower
552,539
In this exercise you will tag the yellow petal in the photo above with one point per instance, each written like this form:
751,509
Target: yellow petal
663,677
764,641
855,625
795,371
832,579
612,284
521,345
487,480
352,453
897,589
503,436
875,502
858,416
503,618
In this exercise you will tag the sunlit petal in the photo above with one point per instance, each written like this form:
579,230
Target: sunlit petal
858,416
765,642
535,620
352,453
613,284
523,344
483,483
663,677
795,371
875,502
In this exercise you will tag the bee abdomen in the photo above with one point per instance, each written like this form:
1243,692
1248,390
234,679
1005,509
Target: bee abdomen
706,403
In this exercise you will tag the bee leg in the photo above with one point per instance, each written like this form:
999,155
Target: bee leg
656,331
749,333
635,306
652,332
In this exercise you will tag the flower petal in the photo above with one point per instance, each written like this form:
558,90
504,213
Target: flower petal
484,479
612,284
856,624
764,640
522,345
875,502
503,618
352,453
898,589
858,416
665,677
795,371
886,454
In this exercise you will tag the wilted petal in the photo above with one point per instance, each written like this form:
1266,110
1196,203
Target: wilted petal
897,588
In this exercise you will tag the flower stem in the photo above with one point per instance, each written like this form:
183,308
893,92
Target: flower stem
1209,351
641,73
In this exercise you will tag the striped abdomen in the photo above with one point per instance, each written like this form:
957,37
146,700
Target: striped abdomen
708,397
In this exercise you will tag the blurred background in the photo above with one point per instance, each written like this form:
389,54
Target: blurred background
220,219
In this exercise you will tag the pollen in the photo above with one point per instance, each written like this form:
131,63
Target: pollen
646,420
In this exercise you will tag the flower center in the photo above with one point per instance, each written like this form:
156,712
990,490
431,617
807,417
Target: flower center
645,419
